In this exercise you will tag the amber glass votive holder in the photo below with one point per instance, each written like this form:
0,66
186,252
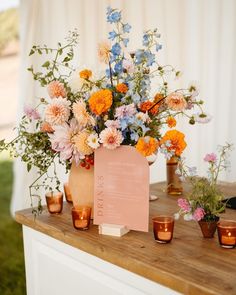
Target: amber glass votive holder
54,202
174,183
227,233
67,193
163,227
81,217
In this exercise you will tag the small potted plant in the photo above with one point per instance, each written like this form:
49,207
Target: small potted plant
204,203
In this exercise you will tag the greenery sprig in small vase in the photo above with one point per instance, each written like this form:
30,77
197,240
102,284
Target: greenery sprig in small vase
204,202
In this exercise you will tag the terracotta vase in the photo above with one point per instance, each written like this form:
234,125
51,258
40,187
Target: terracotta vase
208,228
81,185
174,183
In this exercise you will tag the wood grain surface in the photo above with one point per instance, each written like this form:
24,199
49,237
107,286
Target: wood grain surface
190,264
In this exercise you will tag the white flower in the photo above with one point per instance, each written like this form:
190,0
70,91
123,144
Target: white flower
93,141
176,216
188,217
76,82
202,118
142,116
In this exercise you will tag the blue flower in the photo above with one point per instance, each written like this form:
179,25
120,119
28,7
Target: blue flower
136,98
145,40
108,73
126,28
139,56
158,47
118,67
134,136
150,57
116,49
114,17
125,41
112,35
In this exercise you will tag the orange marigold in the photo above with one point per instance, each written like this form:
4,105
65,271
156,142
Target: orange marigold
122,88
146,105
100,101
147,145
171,122
177,141
85,74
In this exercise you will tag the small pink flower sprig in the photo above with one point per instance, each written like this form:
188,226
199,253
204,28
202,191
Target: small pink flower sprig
204,202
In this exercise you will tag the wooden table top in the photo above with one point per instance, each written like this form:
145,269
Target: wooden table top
190,264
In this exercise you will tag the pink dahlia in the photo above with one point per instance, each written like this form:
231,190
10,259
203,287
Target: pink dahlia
125,111
31,113
184,205
176,101
56,89
62,141
81,114
58,112
112,123
111,138
212,158
198,214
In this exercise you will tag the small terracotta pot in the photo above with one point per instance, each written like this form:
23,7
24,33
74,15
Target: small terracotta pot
208,228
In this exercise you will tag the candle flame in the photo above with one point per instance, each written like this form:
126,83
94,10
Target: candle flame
229,234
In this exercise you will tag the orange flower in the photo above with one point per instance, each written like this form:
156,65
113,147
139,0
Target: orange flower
171,122
85,74
147,145
122,88
158,97
100,101
46,127
177,141
146,105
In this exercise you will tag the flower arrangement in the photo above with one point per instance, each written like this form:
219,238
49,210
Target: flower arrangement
82,110
204,202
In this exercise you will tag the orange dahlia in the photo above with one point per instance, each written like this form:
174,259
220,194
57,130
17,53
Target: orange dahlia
177,141
122,88
85,74
100,101
147,145
171,122
146,105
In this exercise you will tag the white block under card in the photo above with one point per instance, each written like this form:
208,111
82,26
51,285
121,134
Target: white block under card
112,229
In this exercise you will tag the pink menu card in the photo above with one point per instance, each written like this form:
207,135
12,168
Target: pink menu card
121,190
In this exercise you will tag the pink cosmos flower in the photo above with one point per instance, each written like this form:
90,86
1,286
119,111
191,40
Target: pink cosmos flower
56,89
31,113
62,141
104,51
212,158
184,205
112,124
111,138
125,111
198,214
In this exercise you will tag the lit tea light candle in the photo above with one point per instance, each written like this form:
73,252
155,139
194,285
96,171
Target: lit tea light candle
67,193
54,202
227,233
81,217
163,227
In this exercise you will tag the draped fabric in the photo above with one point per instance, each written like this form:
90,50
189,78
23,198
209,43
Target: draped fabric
198,38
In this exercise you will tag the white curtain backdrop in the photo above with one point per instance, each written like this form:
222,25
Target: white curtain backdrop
198,37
